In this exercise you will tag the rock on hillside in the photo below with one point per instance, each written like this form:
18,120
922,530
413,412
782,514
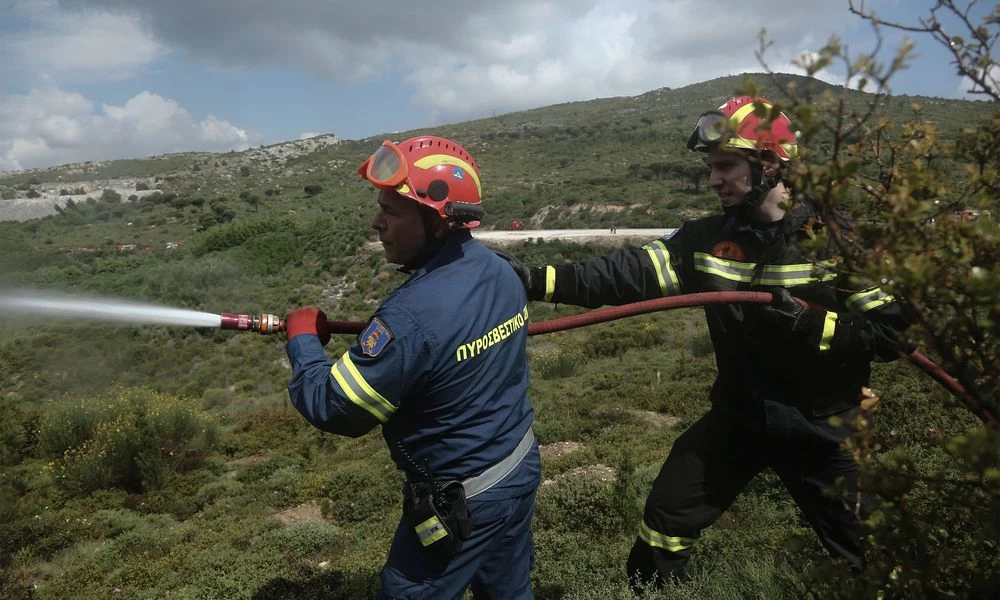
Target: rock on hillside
22,208
279,154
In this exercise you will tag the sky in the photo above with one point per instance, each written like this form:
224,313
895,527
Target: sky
106,79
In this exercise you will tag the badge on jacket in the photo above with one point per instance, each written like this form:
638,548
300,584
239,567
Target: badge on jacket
729,251
375,338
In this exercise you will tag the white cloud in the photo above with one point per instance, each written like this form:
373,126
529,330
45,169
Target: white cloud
966,85
484,55
87,45
52,126
616,48
453,61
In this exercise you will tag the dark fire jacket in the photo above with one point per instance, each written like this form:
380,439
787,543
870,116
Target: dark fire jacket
766,375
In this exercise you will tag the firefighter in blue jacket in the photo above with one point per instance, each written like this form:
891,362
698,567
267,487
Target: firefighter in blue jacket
783,370
442,368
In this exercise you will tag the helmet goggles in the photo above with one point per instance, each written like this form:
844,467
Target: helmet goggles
713,128
387,168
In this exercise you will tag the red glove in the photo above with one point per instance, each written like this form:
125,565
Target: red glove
307,320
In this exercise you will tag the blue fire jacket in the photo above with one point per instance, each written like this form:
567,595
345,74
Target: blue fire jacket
441,367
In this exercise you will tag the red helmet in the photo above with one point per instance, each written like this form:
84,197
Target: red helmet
433,171
736,125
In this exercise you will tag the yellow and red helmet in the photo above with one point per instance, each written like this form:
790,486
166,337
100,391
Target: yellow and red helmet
433,171
737,125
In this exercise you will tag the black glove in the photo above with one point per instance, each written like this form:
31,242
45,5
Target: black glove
784,311
523,272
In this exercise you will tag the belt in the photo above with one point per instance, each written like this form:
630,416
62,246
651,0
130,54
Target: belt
490,477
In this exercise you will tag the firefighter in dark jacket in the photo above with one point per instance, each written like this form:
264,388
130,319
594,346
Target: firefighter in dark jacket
783,370
442,368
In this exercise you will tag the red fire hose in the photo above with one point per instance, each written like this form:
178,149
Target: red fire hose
701,299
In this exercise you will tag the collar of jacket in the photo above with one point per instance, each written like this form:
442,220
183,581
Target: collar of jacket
439,252
804,211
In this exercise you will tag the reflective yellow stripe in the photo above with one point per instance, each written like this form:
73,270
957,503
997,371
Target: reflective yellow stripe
358,390
829,327
736,138
659,271
434,160
866,300
720,267
550,282
430,531
782,275
667,542
665,274
742,112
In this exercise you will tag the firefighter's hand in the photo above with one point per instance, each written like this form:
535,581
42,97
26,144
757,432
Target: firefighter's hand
784,310
307,320
523,272
870,401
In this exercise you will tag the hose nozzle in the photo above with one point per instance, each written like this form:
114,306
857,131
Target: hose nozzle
263,324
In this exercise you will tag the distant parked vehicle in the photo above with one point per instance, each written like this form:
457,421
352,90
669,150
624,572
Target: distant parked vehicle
516,225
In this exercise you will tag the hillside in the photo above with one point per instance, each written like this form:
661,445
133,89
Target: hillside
547,165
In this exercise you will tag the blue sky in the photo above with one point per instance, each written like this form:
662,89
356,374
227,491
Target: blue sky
103,79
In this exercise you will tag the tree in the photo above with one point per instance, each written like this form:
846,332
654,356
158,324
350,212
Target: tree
221,212
110,196
312,190
254,201
936,527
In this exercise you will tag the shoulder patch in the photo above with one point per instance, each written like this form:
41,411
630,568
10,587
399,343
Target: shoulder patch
375,338
728,251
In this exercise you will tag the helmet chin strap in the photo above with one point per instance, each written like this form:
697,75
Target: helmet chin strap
755,195
429,221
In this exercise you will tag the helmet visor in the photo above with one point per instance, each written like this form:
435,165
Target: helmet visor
712,128
387,167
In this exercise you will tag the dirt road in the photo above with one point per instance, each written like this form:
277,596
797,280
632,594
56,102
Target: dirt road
574,235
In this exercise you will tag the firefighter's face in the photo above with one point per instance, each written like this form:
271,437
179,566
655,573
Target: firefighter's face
400,227
729,176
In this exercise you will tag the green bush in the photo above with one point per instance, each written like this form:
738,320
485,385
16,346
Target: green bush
235,234
270,252
129,438
562,361
578,503
357,492
310,538
269,430
215,398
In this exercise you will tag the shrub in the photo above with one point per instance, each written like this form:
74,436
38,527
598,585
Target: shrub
308,538
270,252
128,438
235,234
356,492
110,196
578,503
266,430
557,362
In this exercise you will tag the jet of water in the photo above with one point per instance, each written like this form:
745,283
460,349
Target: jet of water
14,302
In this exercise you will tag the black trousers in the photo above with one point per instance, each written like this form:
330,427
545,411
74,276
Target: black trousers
711,463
